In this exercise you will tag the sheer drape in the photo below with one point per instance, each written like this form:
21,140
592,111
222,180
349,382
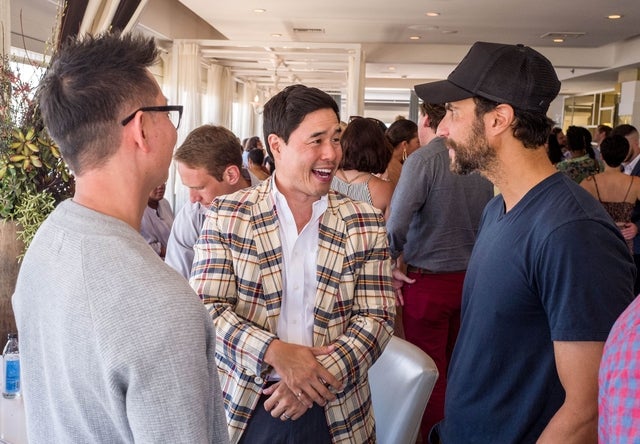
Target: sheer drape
247,107
184,82
188,87
218,104
183,87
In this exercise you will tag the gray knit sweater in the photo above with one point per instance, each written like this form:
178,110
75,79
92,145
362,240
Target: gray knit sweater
115,346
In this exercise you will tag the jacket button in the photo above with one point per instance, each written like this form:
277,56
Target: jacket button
258,380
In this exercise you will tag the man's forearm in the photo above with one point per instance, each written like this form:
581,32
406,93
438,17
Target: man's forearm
355,353
572,425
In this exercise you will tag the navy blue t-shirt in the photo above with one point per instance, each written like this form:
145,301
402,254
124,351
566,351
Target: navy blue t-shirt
554,268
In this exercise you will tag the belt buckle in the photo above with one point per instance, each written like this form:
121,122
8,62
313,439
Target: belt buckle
418,270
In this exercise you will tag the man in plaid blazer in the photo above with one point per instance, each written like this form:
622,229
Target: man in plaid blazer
297,279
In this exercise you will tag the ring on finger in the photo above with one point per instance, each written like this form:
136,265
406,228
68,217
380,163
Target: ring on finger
299,395
285,416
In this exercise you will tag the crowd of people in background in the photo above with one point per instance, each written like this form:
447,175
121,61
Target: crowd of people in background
505,249
606,166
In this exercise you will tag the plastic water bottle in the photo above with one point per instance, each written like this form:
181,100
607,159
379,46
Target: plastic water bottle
11,356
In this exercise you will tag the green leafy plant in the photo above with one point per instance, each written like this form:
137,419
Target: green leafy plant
30,212
31,169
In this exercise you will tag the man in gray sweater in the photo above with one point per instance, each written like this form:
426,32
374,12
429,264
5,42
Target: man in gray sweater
115,346
434,221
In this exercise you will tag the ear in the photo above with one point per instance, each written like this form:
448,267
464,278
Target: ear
275,144
500,119
426,122
231,174
135,130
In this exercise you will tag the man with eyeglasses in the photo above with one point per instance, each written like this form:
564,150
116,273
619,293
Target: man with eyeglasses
115,346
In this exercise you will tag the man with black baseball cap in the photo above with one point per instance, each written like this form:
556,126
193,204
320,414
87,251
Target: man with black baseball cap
549,273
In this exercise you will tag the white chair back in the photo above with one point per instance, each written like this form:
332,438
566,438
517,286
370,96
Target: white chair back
401,382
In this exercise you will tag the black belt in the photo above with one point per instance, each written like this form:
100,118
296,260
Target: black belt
412,269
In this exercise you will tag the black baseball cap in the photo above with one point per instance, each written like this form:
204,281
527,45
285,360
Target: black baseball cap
513,74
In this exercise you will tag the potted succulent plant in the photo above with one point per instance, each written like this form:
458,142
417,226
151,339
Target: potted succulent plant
33,176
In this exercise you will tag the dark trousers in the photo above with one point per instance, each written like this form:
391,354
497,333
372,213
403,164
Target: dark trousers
310,428
431,316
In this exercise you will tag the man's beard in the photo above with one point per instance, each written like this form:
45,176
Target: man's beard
474,154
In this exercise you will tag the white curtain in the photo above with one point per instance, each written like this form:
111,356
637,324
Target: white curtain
218,103
247,128
184,82
188,87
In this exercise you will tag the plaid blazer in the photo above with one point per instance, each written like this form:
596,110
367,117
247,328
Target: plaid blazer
237,273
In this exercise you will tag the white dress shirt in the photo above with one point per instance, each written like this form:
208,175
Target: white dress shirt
299,257
155,226
184,235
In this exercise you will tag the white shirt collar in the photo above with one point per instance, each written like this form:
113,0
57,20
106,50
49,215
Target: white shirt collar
628,168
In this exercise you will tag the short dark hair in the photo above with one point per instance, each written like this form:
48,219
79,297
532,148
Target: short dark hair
284,112
91,84
606,129
211,147
402,130
614,150
365,147
435,112
578,138
256,156
252,142
623,130
531,128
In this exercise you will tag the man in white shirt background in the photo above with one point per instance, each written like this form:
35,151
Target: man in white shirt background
209,162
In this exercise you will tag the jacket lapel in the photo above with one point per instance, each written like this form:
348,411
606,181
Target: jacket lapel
268,252
331,253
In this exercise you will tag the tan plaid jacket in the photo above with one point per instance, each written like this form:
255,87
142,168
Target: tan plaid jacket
237,273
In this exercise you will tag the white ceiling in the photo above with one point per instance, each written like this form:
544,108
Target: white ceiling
381,31
585,60
461,22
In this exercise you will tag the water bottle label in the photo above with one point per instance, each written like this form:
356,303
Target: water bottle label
12,376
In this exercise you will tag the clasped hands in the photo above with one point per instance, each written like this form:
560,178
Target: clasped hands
303,379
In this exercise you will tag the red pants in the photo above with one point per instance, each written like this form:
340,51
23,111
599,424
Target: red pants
431,316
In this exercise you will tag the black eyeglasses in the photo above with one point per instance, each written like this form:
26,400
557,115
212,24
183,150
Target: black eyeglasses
174,112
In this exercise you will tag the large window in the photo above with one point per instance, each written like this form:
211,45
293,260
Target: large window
591,110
